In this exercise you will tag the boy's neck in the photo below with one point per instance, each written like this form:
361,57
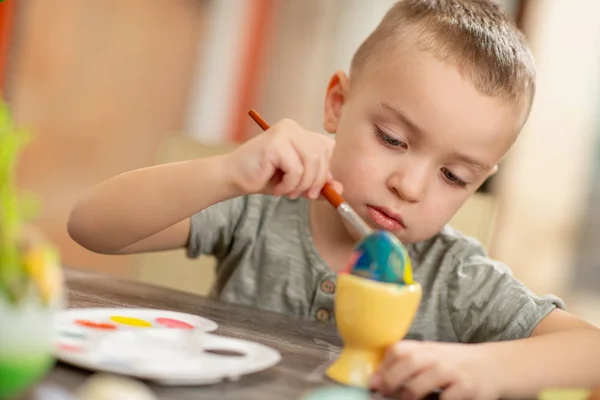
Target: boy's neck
332,240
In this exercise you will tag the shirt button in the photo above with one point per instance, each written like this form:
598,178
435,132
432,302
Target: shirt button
323,315
328,286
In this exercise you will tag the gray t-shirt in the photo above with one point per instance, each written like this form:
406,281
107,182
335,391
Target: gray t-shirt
266,258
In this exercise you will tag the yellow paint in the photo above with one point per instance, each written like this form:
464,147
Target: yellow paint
564,394
131,321
370,316
408,276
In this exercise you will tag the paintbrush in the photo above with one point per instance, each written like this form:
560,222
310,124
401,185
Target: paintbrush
330,194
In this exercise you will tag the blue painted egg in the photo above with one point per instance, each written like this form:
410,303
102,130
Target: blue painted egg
382,257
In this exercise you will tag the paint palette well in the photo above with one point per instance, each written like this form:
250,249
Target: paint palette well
77,328
162,346
111,319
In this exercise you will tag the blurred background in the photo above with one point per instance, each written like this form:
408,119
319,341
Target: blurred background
110,86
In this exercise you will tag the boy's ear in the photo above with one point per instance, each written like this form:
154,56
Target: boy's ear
491,173
337,91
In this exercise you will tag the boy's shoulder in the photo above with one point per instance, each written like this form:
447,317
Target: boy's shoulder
479,298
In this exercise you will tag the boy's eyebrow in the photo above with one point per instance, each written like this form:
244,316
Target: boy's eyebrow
473,161
400,116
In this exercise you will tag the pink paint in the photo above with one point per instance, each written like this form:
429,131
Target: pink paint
173,323
70,347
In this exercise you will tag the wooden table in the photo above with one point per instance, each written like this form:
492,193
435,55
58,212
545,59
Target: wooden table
307,347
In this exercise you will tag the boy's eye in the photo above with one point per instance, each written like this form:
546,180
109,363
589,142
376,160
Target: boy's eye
388,140
453,179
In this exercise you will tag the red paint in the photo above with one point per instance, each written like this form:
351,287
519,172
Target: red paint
96,325
70,347
173,323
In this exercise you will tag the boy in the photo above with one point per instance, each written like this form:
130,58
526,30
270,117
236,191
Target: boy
434,99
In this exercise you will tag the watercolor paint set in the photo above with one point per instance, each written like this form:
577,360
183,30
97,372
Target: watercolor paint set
166,347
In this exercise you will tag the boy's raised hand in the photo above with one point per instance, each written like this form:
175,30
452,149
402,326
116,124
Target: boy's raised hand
285,160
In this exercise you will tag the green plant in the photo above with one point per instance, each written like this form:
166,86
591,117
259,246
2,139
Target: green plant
14,211
31,288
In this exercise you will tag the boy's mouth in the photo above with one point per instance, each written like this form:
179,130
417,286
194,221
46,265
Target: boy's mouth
386,219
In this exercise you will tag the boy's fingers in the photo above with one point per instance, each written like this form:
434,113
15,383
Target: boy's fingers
393,378
291,165
400,349
310,167
320,179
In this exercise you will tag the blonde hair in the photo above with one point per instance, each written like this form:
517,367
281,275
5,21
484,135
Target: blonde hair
474,35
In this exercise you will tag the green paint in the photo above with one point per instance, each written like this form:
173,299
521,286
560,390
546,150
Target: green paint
18,373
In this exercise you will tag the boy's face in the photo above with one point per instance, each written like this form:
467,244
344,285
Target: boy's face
414,139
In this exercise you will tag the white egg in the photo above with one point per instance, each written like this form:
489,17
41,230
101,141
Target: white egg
113,387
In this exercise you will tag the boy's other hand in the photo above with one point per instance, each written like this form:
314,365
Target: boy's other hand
285,160
413,370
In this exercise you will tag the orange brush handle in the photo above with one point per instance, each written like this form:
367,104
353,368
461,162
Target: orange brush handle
328,191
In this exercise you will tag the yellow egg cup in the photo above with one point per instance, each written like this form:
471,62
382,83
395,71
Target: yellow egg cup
370,316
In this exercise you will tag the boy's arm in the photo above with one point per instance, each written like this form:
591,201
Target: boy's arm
561,351
149,209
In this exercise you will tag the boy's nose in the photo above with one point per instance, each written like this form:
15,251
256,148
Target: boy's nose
409,184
